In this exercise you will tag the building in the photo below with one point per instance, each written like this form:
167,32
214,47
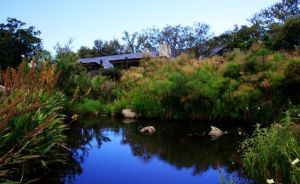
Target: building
123,60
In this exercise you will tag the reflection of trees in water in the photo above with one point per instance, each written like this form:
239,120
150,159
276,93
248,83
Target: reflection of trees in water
171,144
80,136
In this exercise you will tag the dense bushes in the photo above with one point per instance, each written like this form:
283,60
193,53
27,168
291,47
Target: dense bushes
89,106
274,153
251,86
86,93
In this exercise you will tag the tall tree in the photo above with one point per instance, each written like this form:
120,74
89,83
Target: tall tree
86,52
112,47
67,65
179,38
17,41
105,48
132,42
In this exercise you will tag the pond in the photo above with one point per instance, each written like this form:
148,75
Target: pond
110,151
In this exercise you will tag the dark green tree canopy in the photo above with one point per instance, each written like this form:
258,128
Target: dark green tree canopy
17,41
101,48
277,27
277,13
287,36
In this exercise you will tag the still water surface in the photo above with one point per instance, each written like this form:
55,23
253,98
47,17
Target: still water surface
110,151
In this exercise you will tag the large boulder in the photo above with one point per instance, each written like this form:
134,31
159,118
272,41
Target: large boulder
129,113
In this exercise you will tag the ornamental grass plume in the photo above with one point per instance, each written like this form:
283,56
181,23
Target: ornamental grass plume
30,79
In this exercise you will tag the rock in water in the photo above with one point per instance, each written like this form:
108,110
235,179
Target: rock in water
128,113
147,129
215,133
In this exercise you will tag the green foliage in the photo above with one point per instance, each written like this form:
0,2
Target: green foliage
117,106
97,82
85,52
89,106
178,37
91,94
257,60
102,48
113,73
243,88
244,37
277,58
145,103
263,52
251,63
270,153
278,13
233,70
25,145
286,36
69,69
31,123
17,41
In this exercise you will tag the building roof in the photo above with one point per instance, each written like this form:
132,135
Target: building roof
217,50
106,60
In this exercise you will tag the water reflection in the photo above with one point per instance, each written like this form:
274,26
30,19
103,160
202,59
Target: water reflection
173,144
110,151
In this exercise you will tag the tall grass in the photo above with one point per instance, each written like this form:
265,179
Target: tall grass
89,106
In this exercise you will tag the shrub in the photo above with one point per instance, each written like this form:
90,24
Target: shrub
113,73
89,106
251,63
70,70
97,82
211,88
146,104
277,57
118,105
233,70
271,153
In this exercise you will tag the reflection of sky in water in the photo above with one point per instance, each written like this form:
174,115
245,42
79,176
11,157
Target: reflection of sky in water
114,162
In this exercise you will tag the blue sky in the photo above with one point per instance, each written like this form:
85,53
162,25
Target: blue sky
87,20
